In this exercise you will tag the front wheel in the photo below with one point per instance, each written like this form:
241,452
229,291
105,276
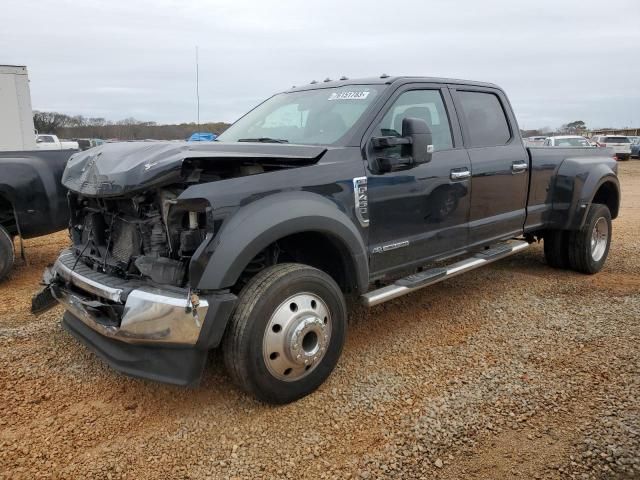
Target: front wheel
287,333
589,246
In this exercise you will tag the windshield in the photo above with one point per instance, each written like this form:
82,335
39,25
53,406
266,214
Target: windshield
616,140
572,142
312,117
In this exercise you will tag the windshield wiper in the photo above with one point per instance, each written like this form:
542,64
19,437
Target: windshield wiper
264,140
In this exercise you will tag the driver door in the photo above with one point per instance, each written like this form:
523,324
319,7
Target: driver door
421,212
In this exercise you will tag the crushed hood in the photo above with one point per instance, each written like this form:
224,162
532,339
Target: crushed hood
115,169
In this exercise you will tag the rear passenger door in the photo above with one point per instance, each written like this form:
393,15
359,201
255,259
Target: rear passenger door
499,164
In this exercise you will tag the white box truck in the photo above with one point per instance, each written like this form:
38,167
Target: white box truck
16,116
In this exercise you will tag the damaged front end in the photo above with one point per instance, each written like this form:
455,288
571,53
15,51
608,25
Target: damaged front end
135,232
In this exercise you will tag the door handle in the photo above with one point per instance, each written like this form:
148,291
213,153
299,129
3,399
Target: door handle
519,167
460,174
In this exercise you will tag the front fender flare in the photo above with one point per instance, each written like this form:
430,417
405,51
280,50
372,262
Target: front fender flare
219,264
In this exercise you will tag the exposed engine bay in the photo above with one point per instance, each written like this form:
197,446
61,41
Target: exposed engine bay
126,219
148,235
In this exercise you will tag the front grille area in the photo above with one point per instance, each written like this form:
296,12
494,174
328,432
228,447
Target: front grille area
146,236
125,240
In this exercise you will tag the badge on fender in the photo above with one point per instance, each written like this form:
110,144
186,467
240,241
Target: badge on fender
361,198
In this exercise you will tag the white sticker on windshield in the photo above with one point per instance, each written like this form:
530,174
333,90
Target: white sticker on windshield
348,96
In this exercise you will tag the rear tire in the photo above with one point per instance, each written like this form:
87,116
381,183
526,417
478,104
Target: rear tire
7,253
589,246
556,248
286,334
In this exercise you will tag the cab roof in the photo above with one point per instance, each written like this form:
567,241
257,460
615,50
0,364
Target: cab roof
386,80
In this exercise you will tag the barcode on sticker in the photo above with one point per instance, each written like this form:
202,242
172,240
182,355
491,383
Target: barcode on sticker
348,96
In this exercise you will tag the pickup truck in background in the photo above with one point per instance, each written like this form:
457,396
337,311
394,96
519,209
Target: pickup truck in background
373,188
33,202
52,142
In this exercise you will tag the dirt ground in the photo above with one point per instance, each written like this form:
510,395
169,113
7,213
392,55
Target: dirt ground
512,371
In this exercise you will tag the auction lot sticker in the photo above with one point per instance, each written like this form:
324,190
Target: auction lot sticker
348,96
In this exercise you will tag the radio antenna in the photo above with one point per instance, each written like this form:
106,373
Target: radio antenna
198,89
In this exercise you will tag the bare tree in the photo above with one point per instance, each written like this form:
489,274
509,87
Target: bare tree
50,122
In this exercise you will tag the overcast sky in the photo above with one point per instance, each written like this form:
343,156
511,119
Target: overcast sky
558,60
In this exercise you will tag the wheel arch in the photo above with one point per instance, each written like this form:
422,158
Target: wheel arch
8,217
608,193
281,217
579,184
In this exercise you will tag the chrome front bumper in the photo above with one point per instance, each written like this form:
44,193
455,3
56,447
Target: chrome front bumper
149,314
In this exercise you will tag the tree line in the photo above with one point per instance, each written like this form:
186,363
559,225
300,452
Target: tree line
577,127
78,126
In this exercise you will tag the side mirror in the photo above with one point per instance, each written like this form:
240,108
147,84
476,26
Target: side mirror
421,146
415,144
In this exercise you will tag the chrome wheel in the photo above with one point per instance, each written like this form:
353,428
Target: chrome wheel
599,239
297,337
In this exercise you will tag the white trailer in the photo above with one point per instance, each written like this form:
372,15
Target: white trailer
16,116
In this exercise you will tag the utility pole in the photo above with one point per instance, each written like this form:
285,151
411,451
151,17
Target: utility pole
197,89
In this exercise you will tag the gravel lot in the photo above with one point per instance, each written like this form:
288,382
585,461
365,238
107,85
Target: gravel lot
512,371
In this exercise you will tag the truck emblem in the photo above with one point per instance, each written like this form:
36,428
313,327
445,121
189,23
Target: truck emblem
361,198
390,246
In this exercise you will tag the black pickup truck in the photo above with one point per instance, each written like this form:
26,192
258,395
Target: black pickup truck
33,202
373,188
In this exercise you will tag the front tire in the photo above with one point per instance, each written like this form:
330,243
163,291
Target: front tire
286,334
589,246
7,253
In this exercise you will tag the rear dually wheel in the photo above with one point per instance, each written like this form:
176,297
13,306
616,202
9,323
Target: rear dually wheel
589,246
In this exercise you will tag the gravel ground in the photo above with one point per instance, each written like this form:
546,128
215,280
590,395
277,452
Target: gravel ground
512,371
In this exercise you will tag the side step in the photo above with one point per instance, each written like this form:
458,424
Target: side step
434,275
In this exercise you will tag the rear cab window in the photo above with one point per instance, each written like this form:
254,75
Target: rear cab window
485,118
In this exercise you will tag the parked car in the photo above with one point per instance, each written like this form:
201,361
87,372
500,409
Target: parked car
202,137
33,202
566,141
635,146
352,187
535,141
87,143
620,145
52,142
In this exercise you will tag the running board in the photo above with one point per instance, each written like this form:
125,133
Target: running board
434,275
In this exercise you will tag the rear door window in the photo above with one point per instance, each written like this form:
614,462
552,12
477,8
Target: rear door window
485,118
